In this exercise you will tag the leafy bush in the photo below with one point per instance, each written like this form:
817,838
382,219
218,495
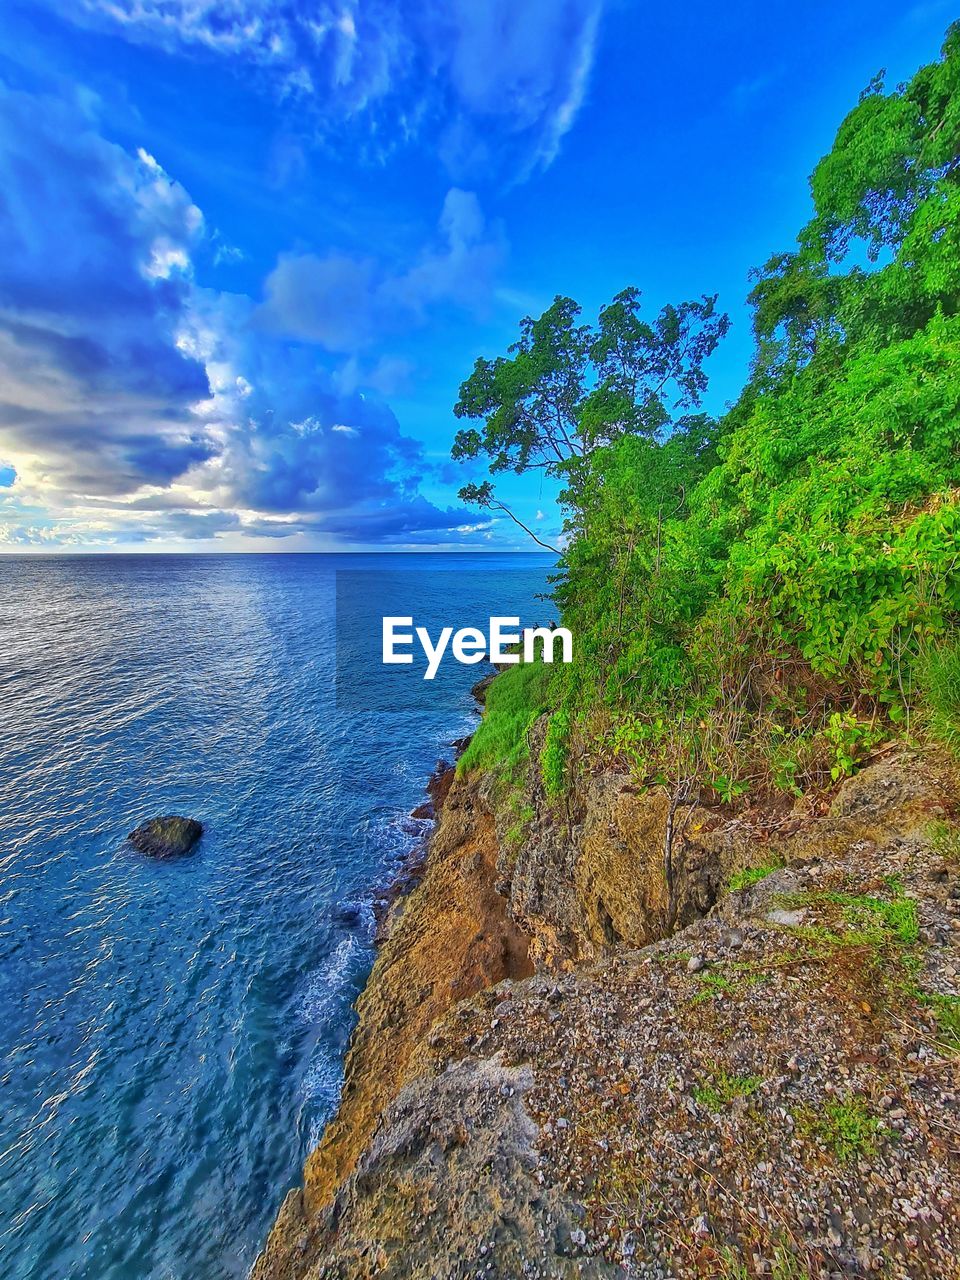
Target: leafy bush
850,740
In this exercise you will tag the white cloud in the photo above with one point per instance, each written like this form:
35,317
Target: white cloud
345,302
480,75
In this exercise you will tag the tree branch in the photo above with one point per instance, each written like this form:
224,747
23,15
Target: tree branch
497,505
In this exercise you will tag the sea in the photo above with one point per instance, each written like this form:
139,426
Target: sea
172,1032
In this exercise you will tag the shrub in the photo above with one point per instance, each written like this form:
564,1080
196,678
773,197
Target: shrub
759,599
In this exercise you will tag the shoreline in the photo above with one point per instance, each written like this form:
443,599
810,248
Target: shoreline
417,936
412,866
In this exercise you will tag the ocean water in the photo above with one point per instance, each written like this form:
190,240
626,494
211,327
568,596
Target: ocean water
172,1032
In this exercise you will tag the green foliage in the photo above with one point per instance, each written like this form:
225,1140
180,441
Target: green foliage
514,701
863,920
750,876
523,814
850,740
566,388
553,761
791,757
723,1088
946,1010
945,839
732,1267
940,681
896,917
846,1128
712,984
728,789
787,1265
764,598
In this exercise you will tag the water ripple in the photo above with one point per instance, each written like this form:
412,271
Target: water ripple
171,1033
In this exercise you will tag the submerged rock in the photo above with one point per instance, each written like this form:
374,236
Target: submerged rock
349,914
166,837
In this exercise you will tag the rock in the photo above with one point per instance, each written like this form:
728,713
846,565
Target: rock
471,1125
789,918
439,784
167,837
479,690
424,812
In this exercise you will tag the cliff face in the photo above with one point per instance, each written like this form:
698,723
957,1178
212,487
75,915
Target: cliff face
448,939
541,1084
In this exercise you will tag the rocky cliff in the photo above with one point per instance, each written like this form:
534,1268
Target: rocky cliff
543,1084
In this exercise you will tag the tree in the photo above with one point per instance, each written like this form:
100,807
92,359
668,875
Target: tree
566,389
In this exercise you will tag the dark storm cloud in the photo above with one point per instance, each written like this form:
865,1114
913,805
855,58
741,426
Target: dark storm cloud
129,393
414,520
295,443
92,241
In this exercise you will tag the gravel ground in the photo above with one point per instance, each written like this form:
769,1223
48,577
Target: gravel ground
771,1092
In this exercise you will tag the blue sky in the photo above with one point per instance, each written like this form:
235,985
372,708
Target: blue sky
249,249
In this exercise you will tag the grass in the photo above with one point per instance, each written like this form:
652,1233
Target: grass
945,840
750,876
846,1128
514,701
785,1265
940,677
896,917
731,1266
516,834
863,920
553,761
712,983
946,1010
723,1088
887,926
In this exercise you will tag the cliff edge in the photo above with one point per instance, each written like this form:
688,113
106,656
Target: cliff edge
542,1083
